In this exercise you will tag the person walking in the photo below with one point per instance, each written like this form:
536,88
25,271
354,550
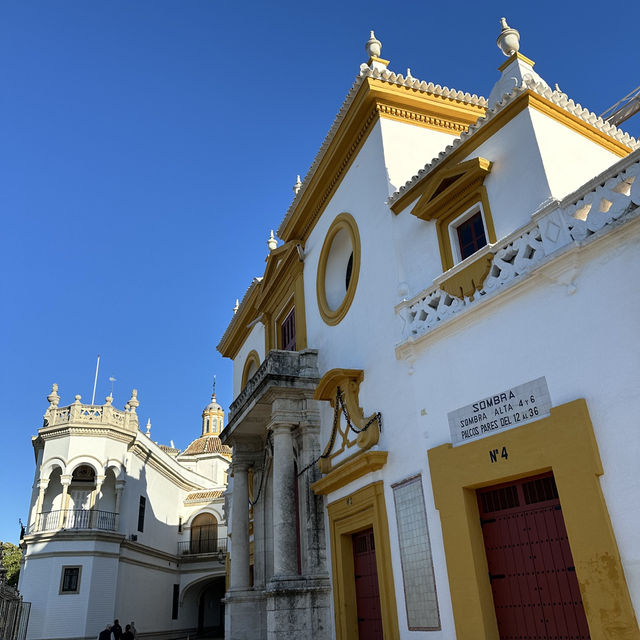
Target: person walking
128,634
116,629
106,634
133,629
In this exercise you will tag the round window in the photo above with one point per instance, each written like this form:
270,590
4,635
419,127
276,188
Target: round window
338,269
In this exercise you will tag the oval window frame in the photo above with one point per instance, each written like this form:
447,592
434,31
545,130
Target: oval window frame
344,221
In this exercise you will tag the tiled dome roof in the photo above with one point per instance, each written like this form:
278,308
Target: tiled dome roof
207,444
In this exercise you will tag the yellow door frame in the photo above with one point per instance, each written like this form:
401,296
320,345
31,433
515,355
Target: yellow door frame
358,511
563,443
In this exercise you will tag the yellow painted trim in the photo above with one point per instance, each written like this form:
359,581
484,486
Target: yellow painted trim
446,205
366,462
334,316
565,444
374,99
252,357
349,382
239,326
465,283
380,60
362,509
516,56
524,100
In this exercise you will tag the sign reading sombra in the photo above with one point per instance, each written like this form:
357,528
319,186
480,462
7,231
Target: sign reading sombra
504,410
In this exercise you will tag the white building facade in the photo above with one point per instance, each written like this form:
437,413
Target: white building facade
429,354
121,527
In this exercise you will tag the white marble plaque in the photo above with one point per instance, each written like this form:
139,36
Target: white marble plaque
501,411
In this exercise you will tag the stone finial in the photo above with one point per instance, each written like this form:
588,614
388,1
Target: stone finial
297,186
373,46
133,401
236,306
509,39
272,243
53,397
77,400
148,428
108,400
409,73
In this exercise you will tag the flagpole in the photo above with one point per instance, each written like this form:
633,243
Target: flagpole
95,381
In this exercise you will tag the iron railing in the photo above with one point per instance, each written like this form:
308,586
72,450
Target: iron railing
14,614
74,519
202,545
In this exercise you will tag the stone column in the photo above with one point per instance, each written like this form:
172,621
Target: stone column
285,556
119,488
259,577
64,502
43,483
240,577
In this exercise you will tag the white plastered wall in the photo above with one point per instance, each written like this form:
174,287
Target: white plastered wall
254,342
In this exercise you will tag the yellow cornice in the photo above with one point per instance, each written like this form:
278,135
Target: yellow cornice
374,99
516,56
524,100
283,266
239,327
366,462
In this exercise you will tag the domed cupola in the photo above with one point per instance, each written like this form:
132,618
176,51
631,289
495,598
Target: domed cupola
212,416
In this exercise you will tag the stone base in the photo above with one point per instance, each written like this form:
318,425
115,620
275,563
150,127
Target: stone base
298,607
245,615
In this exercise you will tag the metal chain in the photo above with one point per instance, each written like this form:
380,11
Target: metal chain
340,404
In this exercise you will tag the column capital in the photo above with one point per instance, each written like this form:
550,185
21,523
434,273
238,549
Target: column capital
43,483
281,427
120,484
240,465
65,480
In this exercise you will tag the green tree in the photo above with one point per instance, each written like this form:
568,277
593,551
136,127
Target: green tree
11,555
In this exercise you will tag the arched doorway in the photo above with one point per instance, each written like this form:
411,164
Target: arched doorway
211,609
204,534
83,483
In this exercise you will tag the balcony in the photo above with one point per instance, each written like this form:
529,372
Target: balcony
74,519
202,546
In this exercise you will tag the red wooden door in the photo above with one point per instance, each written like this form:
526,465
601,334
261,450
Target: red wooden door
533,580
367,594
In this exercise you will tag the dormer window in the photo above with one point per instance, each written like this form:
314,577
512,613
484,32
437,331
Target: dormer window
468,234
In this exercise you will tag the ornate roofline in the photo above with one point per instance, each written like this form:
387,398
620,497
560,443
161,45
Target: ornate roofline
556,97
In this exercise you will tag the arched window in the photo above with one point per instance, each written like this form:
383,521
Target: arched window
204,534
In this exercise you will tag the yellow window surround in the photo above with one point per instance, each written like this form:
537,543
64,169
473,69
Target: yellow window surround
448,194
282,288
565,444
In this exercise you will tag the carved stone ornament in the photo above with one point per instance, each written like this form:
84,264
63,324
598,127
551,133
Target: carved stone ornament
351,433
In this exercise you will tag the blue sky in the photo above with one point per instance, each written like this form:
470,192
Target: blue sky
148,147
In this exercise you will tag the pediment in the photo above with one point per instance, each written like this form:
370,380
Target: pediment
447,185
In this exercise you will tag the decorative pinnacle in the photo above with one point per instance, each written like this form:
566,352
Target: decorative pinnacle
297,186
236,306
133,401
108,400
53,397
509,39
148,428
272,243
373,46
78,398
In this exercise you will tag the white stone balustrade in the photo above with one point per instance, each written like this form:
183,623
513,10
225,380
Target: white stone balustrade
611,198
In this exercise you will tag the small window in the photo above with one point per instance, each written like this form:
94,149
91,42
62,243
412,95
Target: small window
288,332
141,508
70,580
471,235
